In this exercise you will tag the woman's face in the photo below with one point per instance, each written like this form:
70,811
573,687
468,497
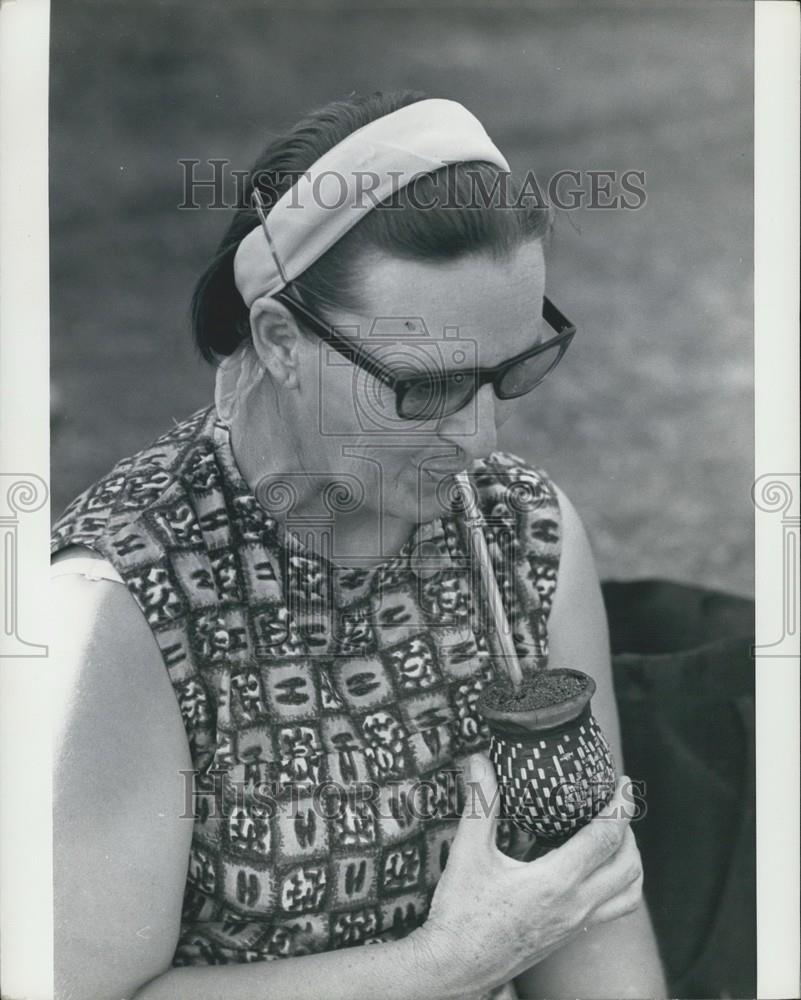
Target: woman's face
418,316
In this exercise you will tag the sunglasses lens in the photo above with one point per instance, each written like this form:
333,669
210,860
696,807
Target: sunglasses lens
430,399
460,389
522,377
421,400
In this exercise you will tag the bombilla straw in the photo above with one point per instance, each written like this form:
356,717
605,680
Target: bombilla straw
489,585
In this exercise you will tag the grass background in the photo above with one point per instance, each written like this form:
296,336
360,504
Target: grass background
648,425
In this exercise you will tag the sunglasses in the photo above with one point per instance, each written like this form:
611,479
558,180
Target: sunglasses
434,395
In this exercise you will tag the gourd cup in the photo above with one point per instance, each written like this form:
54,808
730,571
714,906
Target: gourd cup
553,764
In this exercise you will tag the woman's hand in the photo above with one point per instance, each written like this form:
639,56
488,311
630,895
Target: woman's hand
493,917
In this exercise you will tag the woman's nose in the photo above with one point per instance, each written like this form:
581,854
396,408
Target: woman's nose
472,429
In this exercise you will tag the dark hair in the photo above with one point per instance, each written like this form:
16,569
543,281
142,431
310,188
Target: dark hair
440,221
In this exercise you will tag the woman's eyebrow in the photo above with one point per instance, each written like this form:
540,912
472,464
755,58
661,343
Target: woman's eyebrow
533,341
415,332
456,369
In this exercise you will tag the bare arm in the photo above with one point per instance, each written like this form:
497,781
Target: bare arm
361,973
120,850
617,959
120,847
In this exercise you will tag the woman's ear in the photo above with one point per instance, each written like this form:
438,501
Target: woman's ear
277,341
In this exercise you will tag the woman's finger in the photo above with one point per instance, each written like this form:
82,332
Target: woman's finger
615,876
479,820
594,844
624,903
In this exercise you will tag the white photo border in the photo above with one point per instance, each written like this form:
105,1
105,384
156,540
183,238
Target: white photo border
26,671
776,492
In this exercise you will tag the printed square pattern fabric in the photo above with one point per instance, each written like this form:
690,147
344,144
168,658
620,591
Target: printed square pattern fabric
328,709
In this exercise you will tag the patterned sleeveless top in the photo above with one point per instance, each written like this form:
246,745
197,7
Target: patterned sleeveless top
328,709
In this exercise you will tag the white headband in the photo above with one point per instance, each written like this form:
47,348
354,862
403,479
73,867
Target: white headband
350,179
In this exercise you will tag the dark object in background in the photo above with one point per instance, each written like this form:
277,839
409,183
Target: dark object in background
684,679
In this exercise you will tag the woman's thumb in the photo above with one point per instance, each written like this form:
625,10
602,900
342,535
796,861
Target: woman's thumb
482,797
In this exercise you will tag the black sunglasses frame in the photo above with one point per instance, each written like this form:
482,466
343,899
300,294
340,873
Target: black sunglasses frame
402,384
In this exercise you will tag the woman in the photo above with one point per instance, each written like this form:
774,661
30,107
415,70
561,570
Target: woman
291,556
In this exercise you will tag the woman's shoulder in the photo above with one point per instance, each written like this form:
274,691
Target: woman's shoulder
554,544
118,498
105,653
509,487
98,606
503,471
77,560
552,520
520,506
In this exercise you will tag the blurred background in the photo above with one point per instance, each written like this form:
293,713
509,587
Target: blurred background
647,425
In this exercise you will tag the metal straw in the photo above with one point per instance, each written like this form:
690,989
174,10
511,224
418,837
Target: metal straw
489,585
